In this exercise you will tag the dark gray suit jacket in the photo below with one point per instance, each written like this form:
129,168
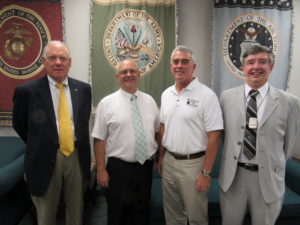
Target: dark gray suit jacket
34,121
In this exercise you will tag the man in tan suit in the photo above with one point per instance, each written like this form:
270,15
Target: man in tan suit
256,145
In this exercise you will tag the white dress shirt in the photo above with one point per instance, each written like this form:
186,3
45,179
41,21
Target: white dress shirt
113,123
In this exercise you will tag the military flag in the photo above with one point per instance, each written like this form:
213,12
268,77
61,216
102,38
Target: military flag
238,24
25,28
141,30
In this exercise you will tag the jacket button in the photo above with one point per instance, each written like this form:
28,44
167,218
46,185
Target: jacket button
235,158
239,143
243,127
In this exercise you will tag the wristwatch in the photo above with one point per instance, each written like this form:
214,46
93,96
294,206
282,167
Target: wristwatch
205,173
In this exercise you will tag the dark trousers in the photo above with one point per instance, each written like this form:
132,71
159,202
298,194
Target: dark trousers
129,192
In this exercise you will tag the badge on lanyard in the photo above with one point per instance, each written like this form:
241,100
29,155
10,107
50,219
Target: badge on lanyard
252,123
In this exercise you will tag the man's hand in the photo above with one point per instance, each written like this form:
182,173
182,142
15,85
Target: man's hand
203,183
159,164
103,178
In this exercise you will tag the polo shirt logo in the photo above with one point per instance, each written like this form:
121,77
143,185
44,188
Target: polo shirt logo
192,103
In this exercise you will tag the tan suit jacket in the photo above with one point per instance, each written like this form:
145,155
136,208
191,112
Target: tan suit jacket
278,137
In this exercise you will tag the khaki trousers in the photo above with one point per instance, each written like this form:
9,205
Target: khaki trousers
182,202
245,195
67,178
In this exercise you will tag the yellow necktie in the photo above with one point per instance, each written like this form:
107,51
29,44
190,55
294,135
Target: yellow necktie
66,139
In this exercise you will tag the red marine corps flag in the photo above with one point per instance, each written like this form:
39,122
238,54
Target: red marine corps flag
25,28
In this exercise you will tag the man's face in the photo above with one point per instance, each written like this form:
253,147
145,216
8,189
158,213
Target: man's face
256,69
128,76
57,62
182,67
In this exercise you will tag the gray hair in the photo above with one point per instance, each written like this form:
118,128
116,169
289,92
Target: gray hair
183,48
255,49
46,48
118,66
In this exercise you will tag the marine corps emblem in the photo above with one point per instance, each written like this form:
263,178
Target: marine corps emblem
24,34
134,34
15,47
245,31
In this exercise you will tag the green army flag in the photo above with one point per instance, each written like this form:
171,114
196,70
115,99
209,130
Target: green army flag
141,30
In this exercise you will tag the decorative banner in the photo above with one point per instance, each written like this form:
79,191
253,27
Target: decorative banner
239,24
141,30
25,28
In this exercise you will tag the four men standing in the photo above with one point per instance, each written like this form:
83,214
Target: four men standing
261,130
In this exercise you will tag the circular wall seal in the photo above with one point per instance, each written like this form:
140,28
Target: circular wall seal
23,37
134,34
245,31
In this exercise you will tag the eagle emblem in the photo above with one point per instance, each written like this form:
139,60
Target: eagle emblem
15,47
134,34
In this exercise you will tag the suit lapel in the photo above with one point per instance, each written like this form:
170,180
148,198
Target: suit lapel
271,105
45,94
74,90
240,98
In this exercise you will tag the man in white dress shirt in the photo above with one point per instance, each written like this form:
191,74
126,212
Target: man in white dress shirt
127,181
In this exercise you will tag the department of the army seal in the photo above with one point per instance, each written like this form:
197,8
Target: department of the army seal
23,37
134,34
246,30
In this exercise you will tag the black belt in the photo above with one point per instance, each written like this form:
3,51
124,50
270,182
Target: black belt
248,166
188,156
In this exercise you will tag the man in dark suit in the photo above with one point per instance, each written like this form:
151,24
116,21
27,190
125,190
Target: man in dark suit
58,152
257,142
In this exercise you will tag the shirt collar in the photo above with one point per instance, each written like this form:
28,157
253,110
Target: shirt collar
190,87
127,94
262,90
53,82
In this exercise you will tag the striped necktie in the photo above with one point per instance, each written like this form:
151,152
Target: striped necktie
141,153
250,132
66,139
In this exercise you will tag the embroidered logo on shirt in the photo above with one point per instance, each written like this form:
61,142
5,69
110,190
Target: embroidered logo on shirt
192,103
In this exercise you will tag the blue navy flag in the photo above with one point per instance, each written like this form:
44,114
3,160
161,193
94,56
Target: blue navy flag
238,24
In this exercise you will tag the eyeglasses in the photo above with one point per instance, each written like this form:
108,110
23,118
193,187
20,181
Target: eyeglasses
183,61
124,72
54,58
